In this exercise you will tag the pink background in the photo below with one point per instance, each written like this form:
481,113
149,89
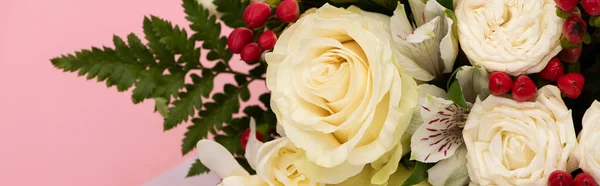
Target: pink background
58,129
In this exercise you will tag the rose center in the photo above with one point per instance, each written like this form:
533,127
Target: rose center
516,153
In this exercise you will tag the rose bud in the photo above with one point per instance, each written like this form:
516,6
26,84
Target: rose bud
524,89
574,29
250,53
288,11
246,136
566,5
571,84
267,40
592,7
256,14
570,55
500,83
553,70
560,178
239,38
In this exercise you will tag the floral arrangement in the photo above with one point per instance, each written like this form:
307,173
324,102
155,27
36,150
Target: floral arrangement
373,92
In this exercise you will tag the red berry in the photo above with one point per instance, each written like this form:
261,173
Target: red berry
553,70
246,136
592,7
239,38
584,179
570,55
566,5
560,178
571,84
524,89
500,83
267,40
574,29
287,11
256,14
250,53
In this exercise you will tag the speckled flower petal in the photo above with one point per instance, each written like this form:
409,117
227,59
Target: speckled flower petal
441,132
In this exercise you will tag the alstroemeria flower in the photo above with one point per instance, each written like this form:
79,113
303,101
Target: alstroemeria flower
430,47
441,121
441,132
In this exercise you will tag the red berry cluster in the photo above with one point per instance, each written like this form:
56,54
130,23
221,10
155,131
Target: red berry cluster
523,88
574,28
242,41
562,178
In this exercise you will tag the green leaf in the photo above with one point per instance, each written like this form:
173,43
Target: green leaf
586,38
146,84
449,4
419,174
564,43
197,169
233,11
594,21
189,101
161,105
455,94
259,70
195,132
207,30
562,14
245,93
164,56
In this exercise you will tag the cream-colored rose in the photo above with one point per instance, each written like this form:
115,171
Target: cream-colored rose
337,89
512,36
518,143
588,149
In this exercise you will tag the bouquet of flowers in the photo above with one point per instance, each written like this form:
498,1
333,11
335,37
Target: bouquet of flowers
373,92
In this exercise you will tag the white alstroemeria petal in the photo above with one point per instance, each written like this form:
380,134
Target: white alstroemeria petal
400,25
411,67
441,132
473,82
449,46
424,90
433,9
424,32
215,157
451,171
252,145
418,9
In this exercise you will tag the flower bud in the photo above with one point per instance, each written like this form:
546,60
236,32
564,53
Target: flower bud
566,5
570,55
574,29
571,84
553,70
250,52
256,14
288,11
592,7
239,38
267,40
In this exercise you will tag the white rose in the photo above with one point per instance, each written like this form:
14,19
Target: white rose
588,149
512,36
518,143
337,89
